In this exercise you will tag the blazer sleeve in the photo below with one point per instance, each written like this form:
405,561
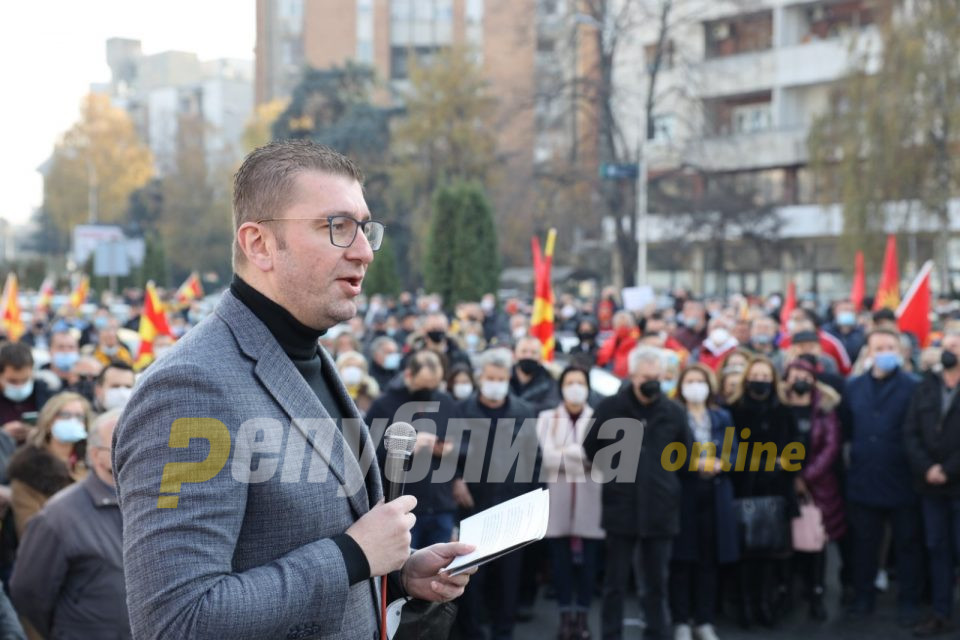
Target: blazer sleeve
919,458
178,561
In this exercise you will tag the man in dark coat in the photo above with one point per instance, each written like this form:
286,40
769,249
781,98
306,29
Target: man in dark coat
932,432
68,579
530,380
643,514
493,478
419,402
879,487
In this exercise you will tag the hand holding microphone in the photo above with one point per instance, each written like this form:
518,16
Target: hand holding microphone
383,533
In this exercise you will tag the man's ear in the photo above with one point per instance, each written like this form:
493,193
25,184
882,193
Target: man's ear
257,244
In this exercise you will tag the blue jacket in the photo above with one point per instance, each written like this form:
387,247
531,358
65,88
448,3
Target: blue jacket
874,412
686,547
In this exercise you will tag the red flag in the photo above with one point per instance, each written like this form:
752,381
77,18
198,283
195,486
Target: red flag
913,315
888,291
859,288
541,323
789,304
11,309
153,322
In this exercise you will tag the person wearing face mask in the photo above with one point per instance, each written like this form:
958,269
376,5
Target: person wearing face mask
109,349
932,430
422,376
64,355
814,405
530,381
495,323
22,393
113,387
693,325
879,481
587,334
574,536
385,360
614,353
434,337
362,388
52,458
642,515
68,580
757,407
718,344
845,328
708,524
763,340
460,382
505,414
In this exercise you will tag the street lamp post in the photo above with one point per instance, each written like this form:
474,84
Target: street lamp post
641,214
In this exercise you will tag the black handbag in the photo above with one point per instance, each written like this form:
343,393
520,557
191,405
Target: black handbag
421,620
763,525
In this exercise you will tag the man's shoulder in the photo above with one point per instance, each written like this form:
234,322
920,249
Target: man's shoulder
64,505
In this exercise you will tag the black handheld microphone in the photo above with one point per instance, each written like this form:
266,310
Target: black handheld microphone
399,441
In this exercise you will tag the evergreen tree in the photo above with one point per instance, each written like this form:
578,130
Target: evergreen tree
462,261
382,276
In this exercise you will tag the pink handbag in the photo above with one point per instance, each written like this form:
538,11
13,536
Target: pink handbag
809,534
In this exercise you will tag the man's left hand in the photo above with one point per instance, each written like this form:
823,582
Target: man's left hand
421,577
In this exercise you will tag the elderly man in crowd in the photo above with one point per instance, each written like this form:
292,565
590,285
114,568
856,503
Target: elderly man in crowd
68,578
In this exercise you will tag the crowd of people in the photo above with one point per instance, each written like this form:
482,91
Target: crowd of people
876,416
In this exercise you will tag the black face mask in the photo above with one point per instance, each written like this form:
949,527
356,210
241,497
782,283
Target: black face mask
948,359
802,387
650,389
528,366
759,390
421,395
436,336
587,336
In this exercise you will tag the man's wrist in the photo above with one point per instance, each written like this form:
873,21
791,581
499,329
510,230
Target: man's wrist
354,559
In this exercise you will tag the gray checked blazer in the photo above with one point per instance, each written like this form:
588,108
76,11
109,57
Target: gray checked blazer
247,553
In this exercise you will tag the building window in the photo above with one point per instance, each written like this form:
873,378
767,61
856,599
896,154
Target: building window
400,59
664,128
666,59
751,118
741,34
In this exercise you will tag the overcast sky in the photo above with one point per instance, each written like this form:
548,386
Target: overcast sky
51,50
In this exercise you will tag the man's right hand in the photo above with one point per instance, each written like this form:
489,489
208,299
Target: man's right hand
935,475
383,534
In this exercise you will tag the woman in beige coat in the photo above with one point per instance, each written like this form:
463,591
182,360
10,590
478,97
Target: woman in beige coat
574,535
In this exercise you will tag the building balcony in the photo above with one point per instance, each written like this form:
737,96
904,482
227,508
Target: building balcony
759,150
737,74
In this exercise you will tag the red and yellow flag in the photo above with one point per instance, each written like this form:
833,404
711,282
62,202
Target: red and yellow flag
79,295
541,324
888,291
45,300
11,309
789,304
153,322
190,290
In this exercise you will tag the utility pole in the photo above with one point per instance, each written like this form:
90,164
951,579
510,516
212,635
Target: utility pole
93,197
641,214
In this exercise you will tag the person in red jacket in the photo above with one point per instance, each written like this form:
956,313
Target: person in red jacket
617,348
719,343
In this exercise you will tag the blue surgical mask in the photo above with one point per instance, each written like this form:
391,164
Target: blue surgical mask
887,361
18,393
846,318
667,386
65,360
69,430
761,338
391,362
100,322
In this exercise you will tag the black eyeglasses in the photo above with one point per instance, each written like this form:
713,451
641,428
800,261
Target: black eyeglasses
343,230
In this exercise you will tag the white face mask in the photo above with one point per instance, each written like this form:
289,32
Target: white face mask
576,393
116,398
352,376
462,390
695,392
18,393
493,390
719,336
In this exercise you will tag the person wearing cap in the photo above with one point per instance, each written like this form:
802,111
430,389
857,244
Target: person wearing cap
803,319
814,405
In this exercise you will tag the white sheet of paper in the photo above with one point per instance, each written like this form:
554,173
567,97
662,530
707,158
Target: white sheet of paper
519,521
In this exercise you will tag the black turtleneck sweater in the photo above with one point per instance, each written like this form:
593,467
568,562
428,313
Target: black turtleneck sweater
300,343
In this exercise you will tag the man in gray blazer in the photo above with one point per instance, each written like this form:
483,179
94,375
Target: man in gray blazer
247,481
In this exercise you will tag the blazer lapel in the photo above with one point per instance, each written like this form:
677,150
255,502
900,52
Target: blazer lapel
291,392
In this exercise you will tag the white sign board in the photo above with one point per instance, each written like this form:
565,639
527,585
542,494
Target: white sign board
86,238
638,298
